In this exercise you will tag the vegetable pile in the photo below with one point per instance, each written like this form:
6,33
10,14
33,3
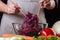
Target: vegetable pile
30,27
22,37
48,38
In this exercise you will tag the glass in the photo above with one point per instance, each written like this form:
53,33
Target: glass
18,27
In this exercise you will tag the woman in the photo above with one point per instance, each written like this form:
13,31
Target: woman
32,6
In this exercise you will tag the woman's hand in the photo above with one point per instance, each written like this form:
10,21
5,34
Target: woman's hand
44,3
48,4
11,9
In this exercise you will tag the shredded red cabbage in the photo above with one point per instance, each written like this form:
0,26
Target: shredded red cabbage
30,26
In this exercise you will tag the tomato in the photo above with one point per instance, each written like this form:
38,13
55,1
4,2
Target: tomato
47,31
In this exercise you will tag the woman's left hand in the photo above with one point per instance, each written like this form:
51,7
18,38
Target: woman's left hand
44,3
48,4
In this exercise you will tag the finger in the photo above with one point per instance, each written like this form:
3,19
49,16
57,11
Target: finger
16,5
17,10
42,5
47,5
11,7
41,1
10,10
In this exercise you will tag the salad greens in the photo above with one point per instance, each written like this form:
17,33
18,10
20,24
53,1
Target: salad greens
48,38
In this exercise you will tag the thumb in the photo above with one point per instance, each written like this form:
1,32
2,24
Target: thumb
45,5
15,4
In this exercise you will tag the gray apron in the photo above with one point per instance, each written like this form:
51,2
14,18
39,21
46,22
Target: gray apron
26,5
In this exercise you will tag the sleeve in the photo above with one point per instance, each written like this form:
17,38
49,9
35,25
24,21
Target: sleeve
1,13
50,14
56,3
5,1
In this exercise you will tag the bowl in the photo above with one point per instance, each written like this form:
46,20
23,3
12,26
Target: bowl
18,28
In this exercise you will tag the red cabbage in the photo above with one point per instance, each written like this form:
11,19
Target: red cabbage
30,26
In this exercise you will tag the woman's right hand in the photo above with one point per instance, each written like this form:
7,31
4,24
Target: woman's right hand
11,8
